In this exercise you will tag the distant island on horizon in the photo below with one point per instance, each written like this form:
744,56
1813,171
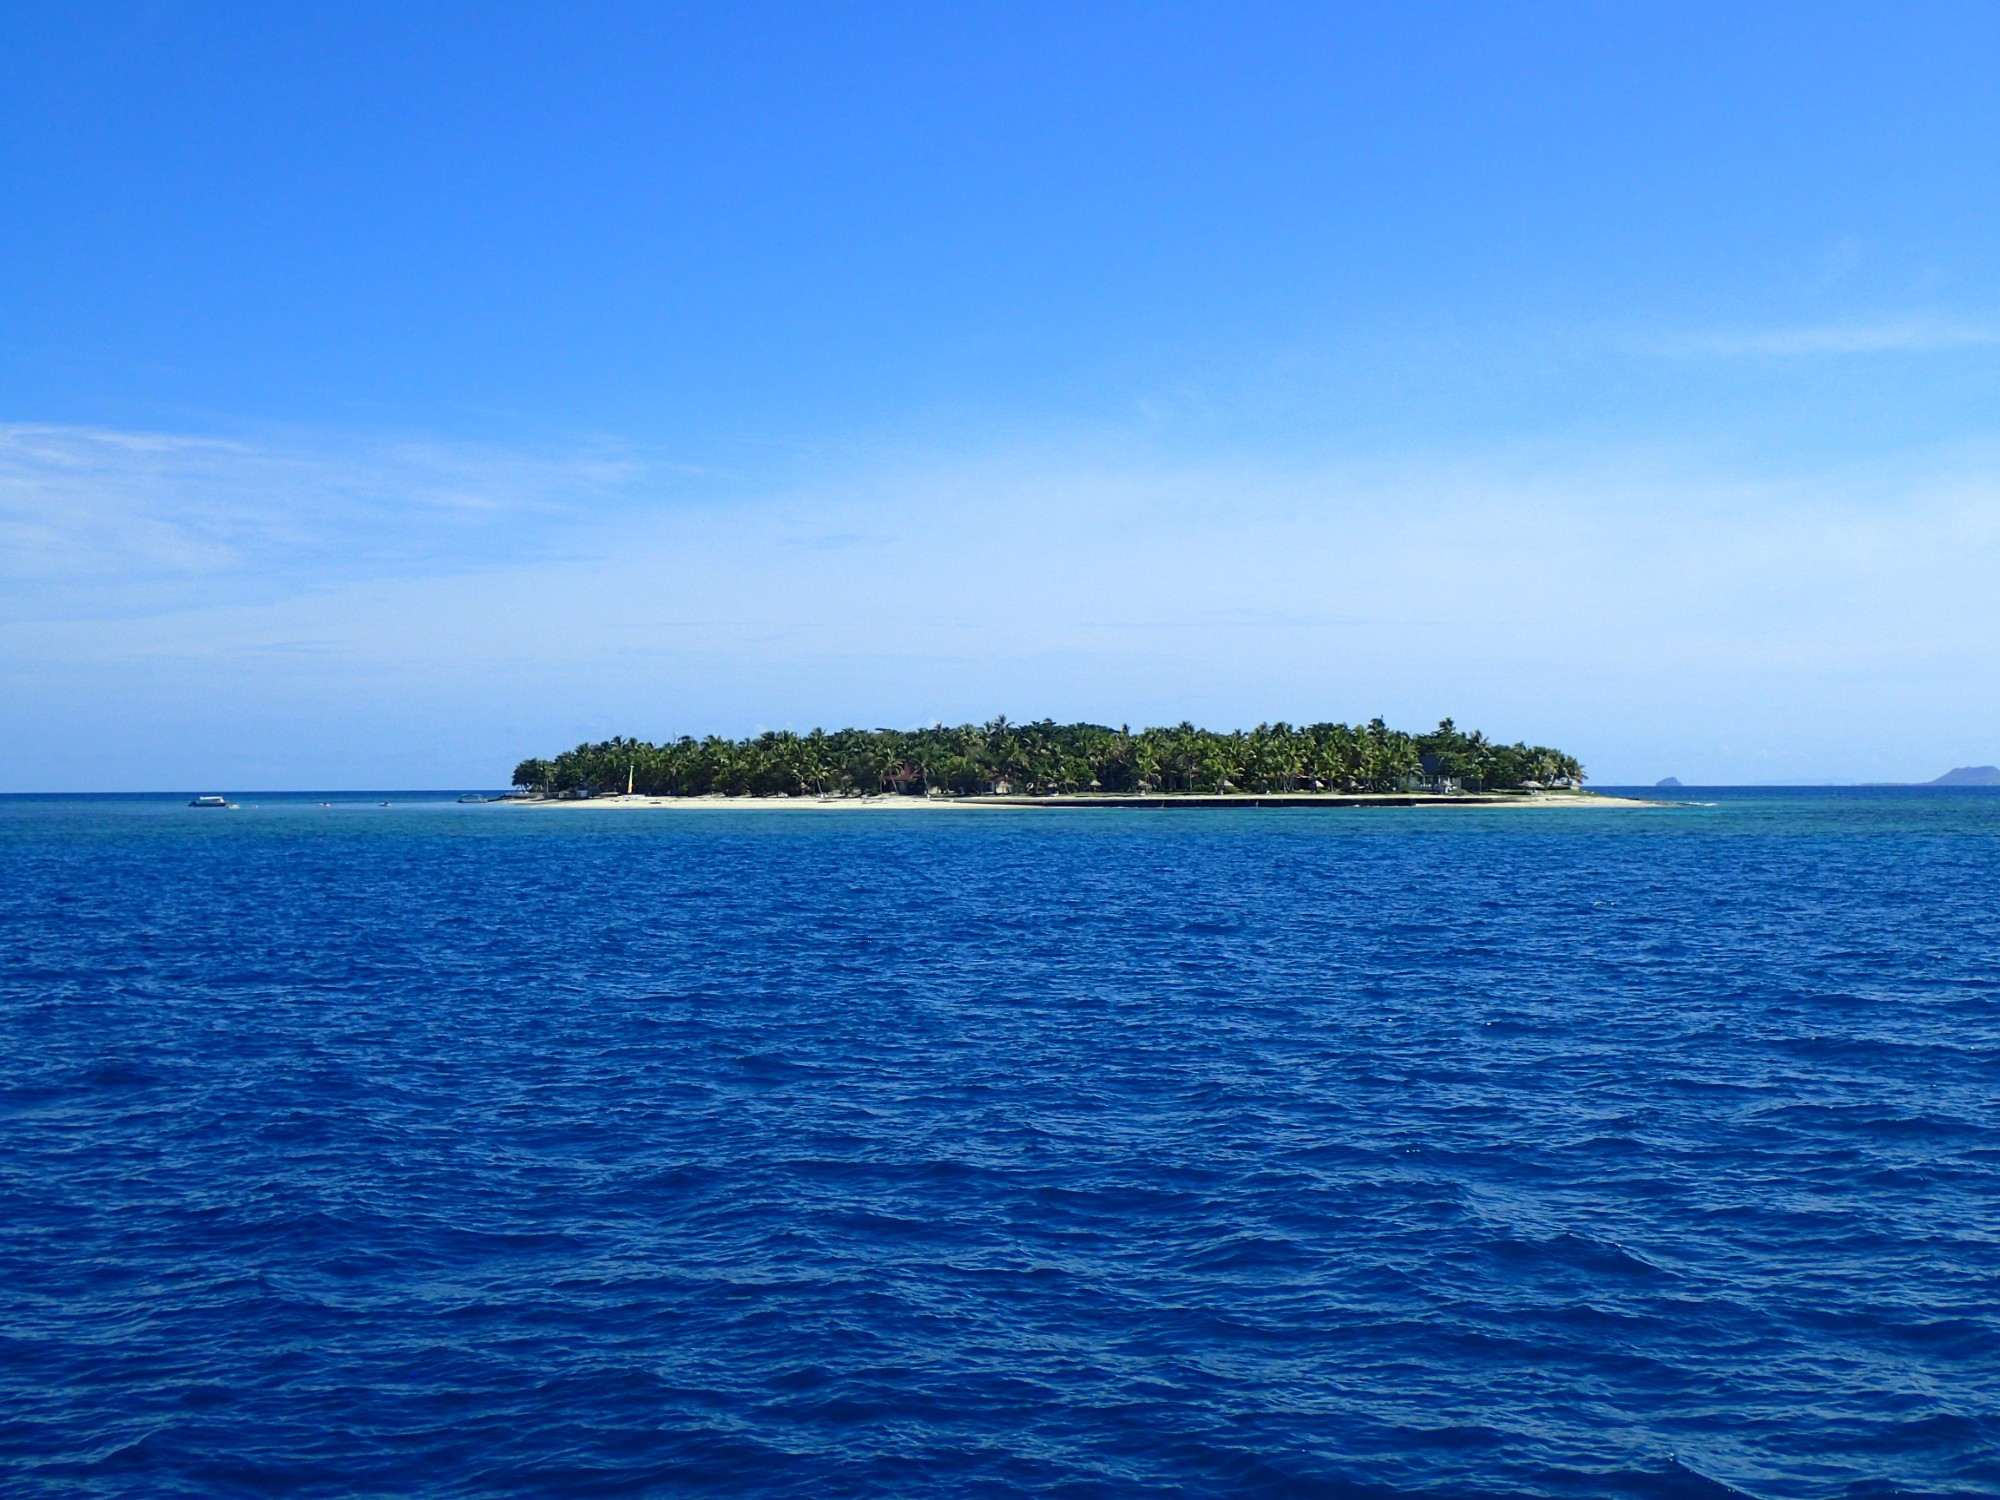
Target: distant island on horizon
1044,758
1968,776
1961,776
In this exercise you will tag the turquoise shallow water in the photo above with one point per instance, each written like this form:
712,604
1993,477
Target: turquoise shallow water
470,1151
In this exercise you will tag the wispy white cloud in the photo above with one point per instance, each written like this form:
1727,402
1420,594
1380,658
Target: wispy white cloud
1636,609
94,517
1898,336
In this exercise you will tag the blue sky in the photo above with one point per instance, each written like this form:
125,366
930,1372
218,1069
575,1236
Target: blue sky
390,392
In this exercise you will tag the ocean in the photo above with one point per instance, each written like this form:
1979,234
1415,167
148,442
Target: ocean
451,1150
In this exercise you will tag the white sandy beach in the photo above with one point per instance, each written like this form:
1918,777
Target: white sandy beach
1181,802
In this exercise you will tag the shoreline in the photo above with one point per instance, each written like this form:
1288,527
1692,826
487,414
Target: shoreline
1089,800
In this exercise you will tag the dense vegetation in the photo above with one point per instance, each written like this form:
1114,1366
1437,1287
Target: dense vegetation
1048,757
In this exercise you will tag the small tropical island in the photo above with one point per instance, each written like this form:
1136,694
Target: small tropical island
1045,763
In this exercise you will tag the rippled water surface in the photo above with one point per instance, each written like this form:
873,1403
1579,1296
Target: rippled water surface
445,1150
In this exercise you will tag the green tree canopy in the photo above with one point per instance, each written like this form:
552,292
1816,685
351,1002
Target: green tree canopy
1046,757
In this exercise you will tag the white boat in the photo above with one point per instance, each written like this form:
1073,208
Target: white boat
209,802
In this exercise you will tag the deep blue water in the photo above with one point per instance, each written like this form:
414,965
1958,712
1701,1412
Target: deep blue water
442,1150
